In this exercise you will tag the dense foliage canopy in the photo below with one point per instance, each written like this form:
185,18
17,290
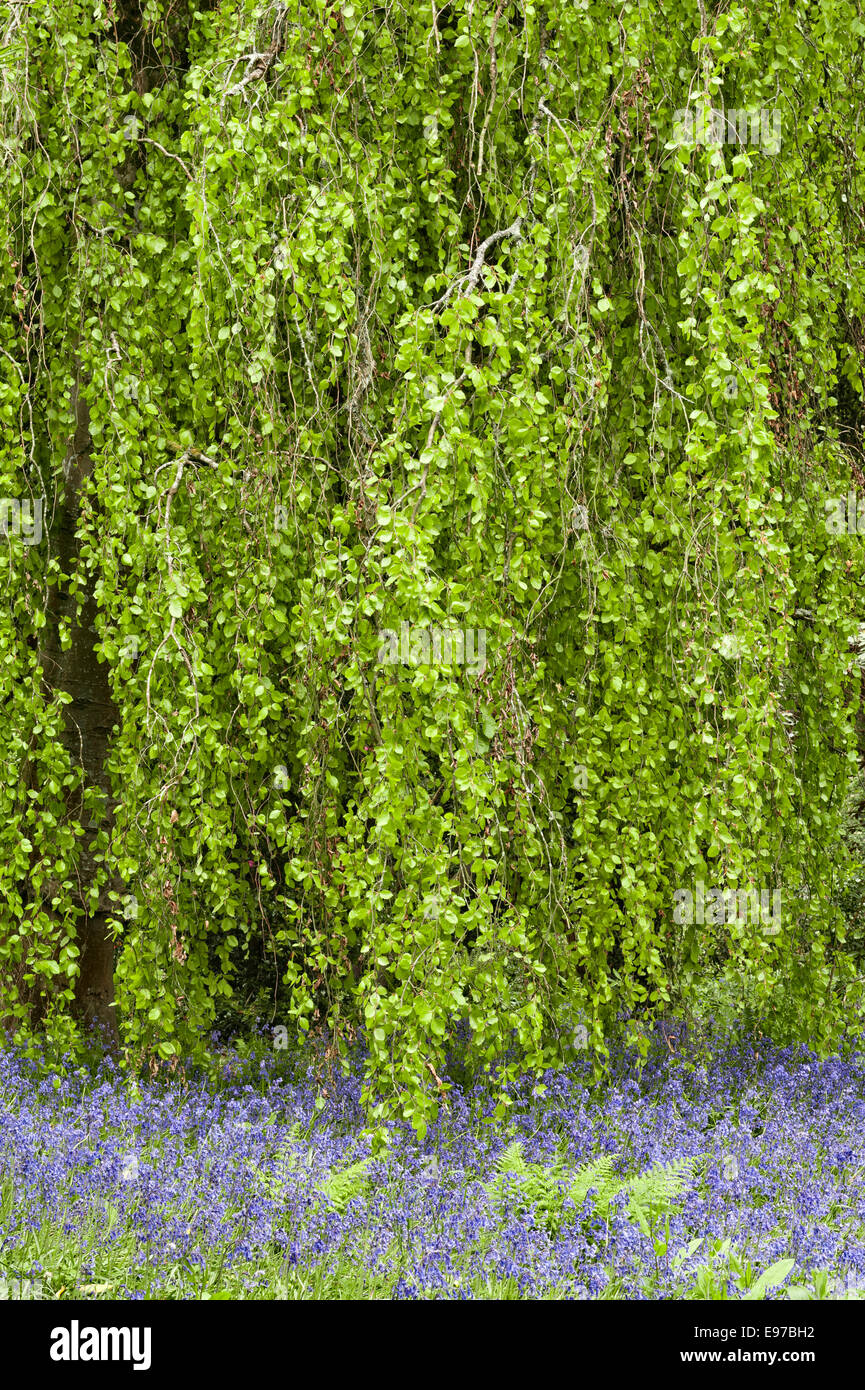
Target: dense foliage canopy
437,416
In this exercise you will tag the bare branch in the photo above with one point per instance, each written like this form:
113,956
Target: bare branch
468,282
257,65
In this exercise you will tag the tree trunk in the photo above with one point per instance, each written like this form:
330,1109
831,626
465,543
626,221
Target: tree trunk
91,714
89,719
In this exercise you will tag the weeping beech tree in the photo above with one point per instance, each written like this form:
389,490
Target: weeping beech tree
435,416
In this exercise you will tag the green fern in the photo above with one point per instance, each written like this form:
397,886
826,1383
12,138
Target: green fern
351,1182
530,1186
285,1160
600,1175
544,1191
654,1194
512,1161
339,1187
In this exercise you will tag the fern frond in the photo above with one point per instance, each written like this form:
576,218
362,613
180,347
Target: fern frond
512,1161
285,1160
653,1194
342,1187
544,1191
599,1175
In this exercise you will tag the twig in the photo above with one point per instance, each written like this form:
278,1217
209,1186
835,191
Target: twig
429,439
468,282
257,65
146,140
493,78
